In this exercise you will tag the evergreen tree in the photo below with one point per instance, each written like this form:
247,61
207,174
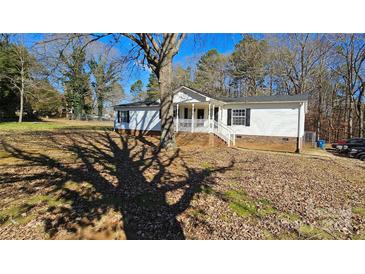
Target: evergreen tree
153,89
77,84
45,100
181,77
137,90
8,97
106,75
247,65
210,73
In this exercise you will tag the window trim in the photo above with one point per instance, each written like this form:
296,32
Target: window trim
242,116
123,118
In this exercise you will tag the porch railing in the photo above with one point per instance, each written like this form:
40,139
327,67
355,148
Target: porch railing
224,132
198,125
205,125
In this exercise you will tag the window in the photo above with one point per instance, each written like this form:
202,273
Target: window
238,117
123,116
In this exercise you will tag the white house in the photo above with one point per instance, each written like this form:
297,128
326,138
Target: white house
230,118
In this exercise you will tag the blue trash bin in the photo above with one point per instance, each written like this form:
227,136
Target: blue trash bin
321,144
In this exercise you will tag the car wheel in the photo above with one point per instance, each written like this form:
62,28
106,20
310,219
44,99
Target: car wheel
362,157
359,155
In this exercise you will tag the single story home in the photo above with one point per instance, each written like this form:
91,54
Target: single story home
235,120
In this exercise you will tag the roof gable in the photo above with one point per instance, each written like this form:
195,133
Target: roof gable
187,95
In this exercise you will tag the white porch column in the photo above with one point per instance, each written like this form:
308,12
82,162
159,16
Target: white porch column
192,118
209,117
177,117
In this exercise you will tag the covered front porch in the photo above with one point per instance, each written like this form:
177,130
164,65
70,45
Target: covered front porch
196,117
202,117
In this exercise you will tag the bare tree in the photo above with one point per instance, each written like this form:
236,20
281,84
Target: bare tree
351,54
157,51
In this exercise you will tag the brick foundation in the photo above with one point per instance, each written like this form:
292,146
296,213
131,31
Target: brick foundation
182,138
134,132
287,144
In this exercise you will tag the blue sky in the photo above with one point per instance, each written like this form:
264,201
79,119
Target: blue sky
191,49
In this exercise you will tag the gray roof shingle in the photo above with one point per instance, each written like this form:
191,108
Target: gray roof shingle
262,99
140,104
246,99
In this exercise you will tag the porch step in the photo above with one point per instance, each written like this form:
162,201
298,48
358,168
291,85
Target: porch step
219,138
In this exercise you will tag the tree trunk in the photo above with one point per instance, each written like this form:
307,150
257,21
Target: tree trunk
361,124
100,106
166,97
21,105
21,97
360,110
350,119
319,117
350,124
361,117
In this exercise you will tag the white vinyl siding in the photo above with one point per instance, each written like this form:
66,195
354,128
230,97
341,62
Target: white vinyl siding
145,119
269,119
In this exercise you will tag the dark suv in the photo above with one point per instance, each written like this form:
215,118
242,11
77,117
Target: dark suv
351,143
357,152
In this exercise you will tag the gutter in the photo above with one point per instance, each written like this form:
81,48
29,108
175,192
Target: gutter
263,102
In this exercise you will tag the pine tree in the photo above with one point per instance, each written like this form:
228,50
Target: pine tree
76,83
8,96
137,90
210,73
153,88
181,77
247,65
106,75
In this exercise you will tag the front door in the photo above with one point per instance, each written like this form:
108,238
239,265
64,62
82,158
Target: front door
200,114
216,114
186,113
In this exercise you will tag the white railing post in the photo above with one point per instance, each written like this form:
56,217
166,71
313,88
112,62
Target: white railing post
192,118
213,112
224,132
177,117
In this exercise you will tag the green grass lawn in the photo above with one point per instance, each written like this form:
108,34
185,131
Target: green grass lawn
30,126
54,125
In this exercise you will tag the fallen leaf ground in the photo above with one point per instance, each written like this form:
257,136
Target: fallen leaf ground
96,184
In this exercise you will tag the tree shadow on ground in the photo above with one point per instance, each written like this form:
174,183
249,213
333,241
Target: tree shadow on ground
150,188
